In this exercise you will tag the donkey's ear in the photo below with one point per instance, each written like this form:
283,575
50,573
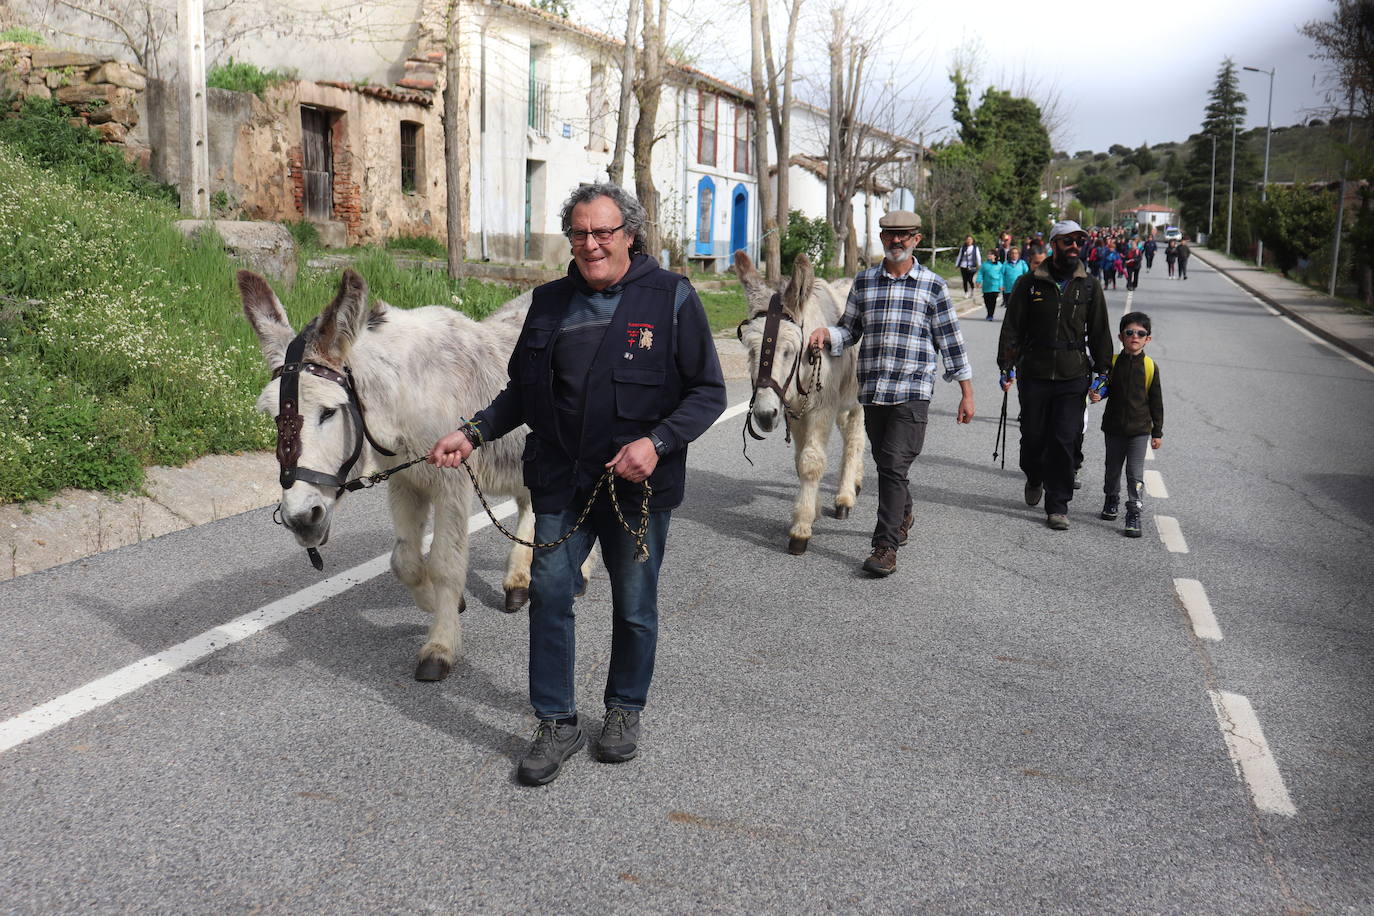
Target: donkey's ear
799,287
266,315
346,318
744,269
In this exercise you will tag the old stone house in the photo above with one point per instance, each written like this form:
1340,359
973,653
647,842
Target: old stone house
358,149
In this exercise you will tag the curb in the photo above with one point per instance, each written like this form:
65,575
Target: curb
1296,317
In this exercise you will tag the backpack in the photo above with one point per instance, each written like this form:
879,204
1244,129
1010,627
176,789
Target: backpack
1149,370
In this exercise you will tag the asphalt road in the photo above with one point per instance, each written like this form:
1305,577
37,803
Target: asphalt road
1018,720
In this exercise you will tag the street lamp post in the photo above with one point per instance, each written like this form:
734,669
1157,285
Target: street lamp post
1212,195
1231,190
1268,128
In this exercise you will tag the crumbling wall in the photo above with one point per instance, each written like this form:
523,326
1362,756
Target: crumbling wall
103,93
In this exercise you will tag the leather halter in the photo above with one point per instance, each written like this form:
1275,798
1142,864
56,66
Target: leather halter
290,421
773,318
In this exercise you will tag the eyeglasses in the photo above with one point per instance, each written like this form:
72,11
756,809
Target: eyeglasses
602,236
898,234
1069,242
1135,332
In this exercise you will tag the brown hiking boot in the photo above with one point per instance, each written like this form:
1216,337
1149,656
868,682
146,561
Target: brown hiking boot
904,529
882,562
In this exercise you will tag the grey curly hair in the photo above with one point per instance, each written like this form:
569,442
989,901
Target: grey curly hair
631,210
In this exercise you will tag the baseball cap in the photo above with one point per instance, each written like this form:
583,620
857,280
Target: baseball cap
1066,227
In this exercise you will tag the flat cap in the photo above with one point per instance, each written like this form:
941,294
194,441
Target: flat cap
899,219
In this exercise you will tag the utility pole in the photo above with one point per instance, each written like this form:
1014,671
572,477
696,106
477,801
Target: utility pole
1268,128
1231,191
1340,203
195,120
1212,195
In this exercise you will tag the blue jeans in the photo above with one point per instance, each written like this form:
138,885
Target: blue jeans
554,576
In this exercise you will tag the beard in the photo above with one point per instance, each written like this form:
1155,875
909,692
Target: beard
898,254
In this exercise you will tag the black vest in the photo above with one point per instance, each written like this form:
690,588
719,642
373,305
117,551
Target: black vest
633,383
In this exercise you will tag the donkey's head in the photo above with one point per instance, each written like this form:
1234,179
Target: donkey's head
325,429
791,340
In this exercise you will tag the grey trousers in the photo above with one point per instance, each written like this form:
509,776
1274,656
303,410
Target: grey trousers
897,432
1129,450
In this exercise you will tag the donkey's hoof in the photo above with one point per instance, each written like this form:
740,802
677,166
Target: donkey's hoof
797,546
432,669
462,604
842,512
516,598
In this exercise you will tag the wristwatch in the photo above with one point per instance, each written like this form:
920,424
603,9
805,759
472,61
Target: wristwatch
660,446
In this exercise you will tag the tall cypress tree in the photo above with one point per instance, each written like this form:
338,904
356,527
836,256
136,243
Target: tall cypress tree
1225,111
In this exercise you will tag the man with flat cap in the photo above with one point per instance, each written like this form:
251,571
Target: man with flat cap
1055,335
900,314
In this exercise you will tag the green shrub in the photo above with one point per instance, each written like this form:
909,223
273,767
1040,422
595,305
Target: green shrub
305,233
424,244
814,237
241,76
23,36
44,135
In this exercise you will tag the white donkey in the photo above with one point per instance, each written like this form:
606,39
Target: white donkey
807,304
418,373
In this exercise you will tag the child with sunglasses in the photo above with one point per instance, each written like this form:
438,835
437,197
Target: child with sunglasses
1134,417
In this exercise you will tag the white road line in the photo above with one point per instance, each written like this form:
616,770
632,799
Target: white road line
1194,598
1171,534
1130,294
126,680
1295,326
1250,753
1154,484
1149,454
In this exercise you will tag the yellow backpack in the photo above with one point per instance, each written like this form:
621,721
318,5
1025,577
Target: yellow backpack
1149,370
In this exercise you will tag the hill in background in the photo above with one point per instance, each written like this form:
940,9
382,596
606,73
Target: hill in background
1300,153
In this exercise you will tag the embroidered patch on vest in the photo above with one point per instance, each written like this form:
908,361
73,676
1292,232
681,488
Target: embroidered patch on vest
641,334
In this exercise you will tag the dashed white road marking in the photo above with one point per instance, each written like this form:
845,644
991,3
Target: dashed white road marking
1130,294
1194,598
1250,753
1171,534
1154,484
126,680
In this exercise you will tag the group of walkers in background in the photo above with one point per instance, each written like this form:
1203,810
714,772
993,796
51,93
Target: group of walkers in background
1108,254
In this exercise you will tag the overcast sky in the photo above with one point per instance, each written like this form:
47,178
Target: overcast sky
1125,72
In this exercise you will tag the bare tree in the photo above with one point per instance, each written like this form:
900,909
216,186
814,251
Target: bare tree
870,128
457,129
627,77
778,111
648,88
772,257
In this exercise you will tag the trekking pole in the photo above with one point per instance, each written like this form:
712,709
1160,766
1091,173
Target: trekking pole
1000,443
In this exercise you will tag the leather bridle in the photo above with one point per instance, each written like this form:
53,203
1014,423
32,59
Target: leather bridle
290,422
773,316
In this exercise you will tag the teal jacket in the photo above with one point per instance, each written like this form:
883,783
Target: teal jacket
990,277
1011,272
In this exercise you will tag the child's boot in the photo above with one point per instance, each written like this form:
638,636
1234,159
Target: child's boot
1110,508
1132,520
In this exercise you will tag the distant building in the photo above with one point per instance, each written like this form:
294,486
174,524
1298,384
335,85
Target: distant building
1154,216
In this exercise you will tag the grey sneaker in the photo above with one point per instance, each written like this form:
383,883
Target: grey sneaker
1111,507
882,562
1033,493
619,739
553,743
1058,522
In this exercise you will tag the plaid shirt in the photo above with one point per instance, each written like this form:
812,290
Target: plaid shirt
901,322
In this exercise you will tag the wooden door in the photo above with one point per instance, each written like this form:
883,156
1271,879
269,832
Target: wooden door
318,164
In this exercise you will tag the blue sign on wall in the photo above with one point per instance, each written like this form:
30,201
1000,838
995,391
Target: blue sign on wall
567,130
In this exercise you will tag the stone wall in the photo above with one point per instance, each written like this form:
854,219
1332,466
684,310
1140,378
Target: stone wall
104,93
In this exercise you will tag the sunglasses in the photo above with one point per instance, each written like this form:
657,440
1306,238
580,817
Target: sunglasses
1134,332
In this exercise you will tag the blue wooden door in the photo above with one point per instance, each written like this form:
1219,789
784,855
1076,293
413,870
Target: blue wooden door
739,220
